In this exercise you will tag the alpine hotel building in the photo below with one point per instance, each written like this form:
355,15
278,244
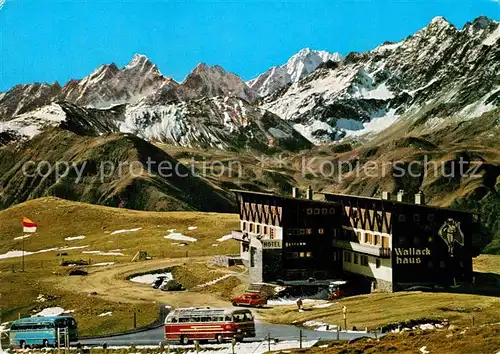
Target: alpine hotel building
381,244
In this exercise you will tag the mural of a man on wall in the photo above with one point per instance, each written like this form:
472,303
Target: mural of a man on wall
452,234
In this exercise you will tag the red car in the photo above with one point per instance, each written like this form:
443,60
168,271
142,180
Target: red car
249,299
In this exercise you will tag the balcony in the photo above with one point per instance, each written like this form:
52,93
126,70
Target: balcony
373,250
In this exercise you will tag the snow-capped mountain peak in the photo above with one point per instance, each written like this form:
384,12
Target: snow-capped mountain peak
298,66
137,59
440,21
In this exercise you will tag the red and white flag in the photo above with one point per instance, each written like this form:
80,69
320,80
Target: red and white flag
29,226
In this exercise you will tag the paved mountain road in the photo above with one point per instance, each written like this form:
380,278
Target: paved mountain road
282,332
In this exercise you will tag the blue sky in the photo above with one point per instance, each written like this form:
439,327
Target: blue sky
47,41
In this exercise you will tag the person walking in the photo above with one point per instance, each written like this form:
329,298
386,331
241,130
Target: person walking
299,304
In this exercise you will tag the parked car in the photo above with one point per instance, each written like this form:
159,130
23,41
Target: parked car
249,299
171,285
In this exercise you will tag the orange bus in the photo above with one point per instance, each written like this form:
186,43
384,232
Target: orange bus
188,324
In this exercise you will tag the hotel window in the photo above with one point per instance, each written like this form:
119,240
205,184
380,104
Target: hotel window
430,217
347,257
302,232
402,217
257,228
332,211
251,227
302,254
308,254
385,241
309,231
244,226
364,261
416,217
355,258
309,211
401,239
324,211
377,240
377,263
265,230
359,236
316,211
321,231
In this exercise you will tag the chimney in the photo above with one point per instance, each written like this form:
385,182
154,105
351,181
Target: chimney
295,192
401,196
419,198
386,195
309,193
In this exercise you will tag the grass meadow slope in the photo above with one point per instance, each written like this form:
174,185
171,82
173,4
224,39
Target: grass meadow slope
61,227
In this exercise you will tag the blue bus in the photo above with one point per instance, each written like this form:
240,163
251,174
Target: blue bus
41,331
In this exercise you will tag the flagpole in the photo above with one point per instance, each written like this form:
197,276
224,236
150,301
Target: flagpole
23,253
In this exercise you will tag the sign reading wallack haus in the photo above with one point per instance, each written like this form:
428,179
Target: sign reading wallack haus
271,243
411,255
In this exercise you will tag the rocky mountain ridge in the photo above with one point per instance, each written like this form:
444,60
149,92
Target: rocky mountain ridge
297,67
439,74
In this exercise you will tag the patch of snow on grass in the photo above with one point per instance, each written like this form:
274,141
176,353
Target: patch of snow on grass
123,231
103,264
427,326
74,238
323,306
424,350
104,314
21,237
314,324
101,253
50,311
289,301
14,254
320,326
178,244
225,238
215,281
180,237
150,278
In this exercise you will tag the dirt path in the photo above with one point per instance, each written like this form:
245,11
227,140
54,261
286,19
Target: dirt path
110,284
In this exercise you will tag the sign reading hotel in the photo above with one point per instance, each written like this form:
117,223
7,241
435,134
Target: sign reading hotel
271,243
